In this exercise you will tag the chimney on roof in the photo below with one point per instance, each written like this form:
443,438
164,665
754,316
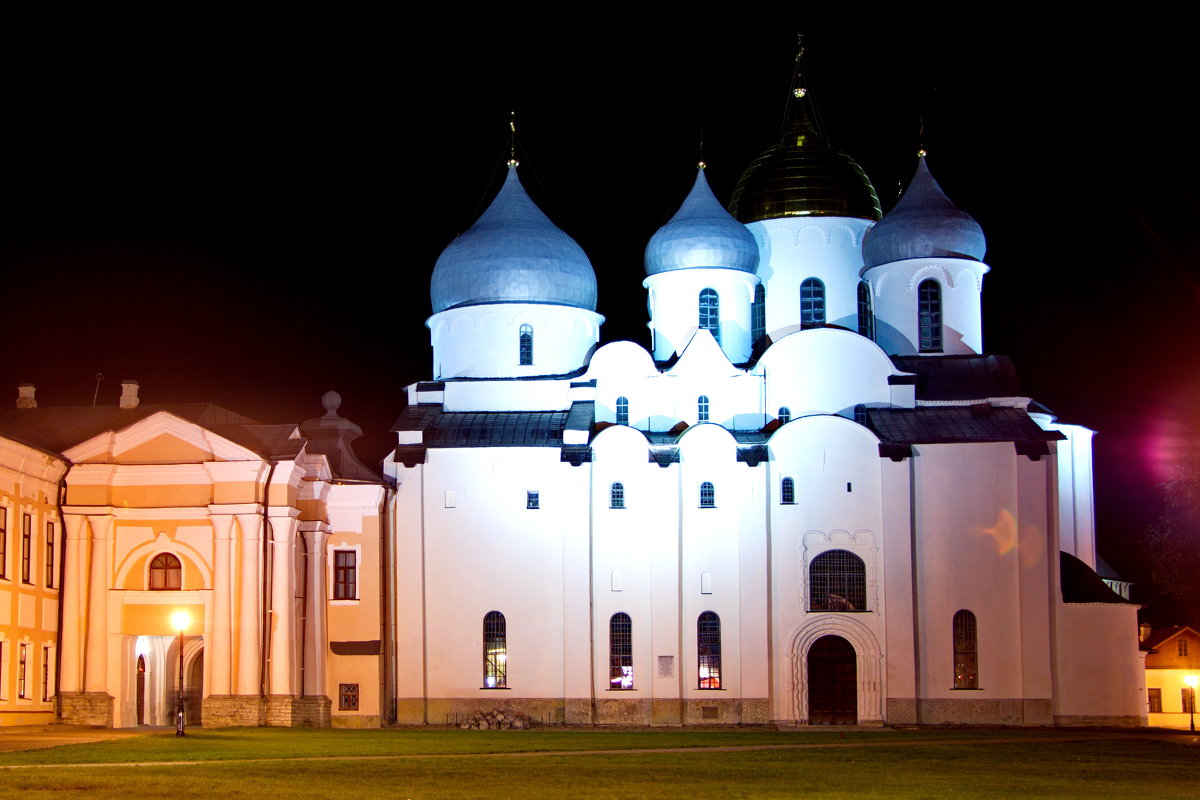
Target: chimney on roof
25,398
129,394
1143,631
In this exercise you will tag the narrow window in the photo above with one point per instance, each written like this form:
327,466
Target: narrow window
1154,697
866,317
702,408
708,650
708,495
787,492
1182,648
3,542
758,315
166,572
347,697
710,313
533,500
616,497
784,415
21,665
860,414
345,575
622,410
26,548
620,652
45,673
966,651
1188,697
49,555
526,345
812,302
837,582
929,316
495,651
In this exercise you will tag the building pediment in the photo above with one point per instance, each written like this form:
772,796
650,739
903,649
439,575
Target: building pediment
161,438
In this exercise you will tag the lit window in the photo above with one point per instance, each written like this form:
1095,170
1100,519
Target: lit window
866,317
710,312
966,651
929,316
787,492
27,548
22,664
837,582
622,410
1154,697
1188,697
758,315
49,555
3,542
166,572
495,651
347,697
708,650
860,414
1182,648
533,500
345,575
526,346
784,415
812,302
620,652
617,496
702,408
708,495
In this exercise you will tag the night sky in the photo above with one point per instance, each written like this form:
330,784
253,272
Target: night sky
247,212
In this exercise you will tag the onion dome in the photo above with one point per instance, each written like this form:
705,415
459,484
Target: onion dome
513,254
924,224
802,176
701,234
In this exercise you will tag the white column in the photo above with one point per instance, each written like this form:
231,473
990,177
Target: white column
284,641
315,637
95,669
220,655
249,615
74,591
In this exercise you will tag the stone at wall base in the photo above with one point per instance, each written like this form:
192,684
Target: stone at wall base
276,711
87,708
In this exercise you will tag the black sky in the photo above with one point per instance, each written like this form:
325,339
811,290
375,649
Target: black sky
248,211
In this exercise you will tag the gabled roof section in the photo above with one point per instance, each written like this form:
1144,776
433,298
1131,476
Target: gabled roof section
947,424
1081,585
968,377
703,356
186,442
1160,637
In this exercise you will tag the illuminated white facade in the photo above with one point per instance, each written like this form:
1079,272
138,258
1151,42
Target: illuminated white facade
815,500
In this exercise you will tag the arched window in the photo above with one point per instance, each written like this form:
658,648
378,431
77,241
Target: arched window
708,650
758,315
495,651
812,302
622,410
526,345
710,313
166,572
860,414
702,408
866,316
620,652
837,582
616,498
929,316
787,492
708,495
966,651
785,415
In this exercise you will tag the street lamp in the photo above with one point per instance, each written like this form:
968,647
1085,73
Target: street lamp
179,621
1191,681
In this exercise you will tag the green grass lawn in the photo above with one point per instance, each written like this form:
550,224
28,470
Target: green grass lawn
438,764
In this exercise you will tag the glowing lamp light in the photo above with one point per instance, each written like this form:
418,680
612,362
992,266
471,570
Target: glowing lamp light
180,621
1191,680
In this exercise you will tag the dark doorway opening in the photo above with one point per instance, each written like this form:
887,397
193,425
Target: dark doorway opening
832,682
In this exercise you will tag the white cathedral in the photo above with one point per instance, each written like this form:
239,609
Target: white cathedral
816,499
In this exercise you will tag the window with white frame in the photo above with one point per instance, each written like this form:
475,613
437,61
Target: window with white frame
710,313
837,582
616,495
622,410
495,651
785,415
166,573
620,651
708,495
812,302
345,575
27,548
929,316
787,491
966,651
708,650
702,408
526,345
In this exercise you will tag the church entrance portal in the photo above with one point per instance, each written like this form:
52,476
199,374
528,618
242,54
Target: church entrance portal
832,682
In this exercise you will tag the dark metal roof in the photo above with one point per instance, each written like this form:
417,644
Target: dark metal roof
944,424
1081,585
1160,636
961,377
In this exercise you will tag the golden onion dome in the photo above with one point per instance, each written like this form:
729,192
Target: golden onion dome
802,176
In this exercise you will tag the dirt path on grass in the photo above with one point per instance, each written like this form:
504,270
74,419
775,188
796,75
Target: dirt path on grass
37,737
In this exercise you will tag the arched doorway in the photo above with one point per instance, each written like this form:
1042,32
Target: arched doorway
194,689
141,690
832,682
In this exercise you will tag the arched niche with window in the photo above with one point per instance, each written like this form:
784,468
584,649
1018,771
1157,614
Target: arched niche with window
837,582
929,316
812,302
166,572
758,315
702,408
620,651
787,491
966,651
708,651
526,345
784,415
616,495
495,651
710,313
622,410
866,315
708,495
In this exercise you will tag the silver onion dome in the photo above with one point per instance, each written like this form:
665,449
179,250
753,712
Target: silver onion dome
701,234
